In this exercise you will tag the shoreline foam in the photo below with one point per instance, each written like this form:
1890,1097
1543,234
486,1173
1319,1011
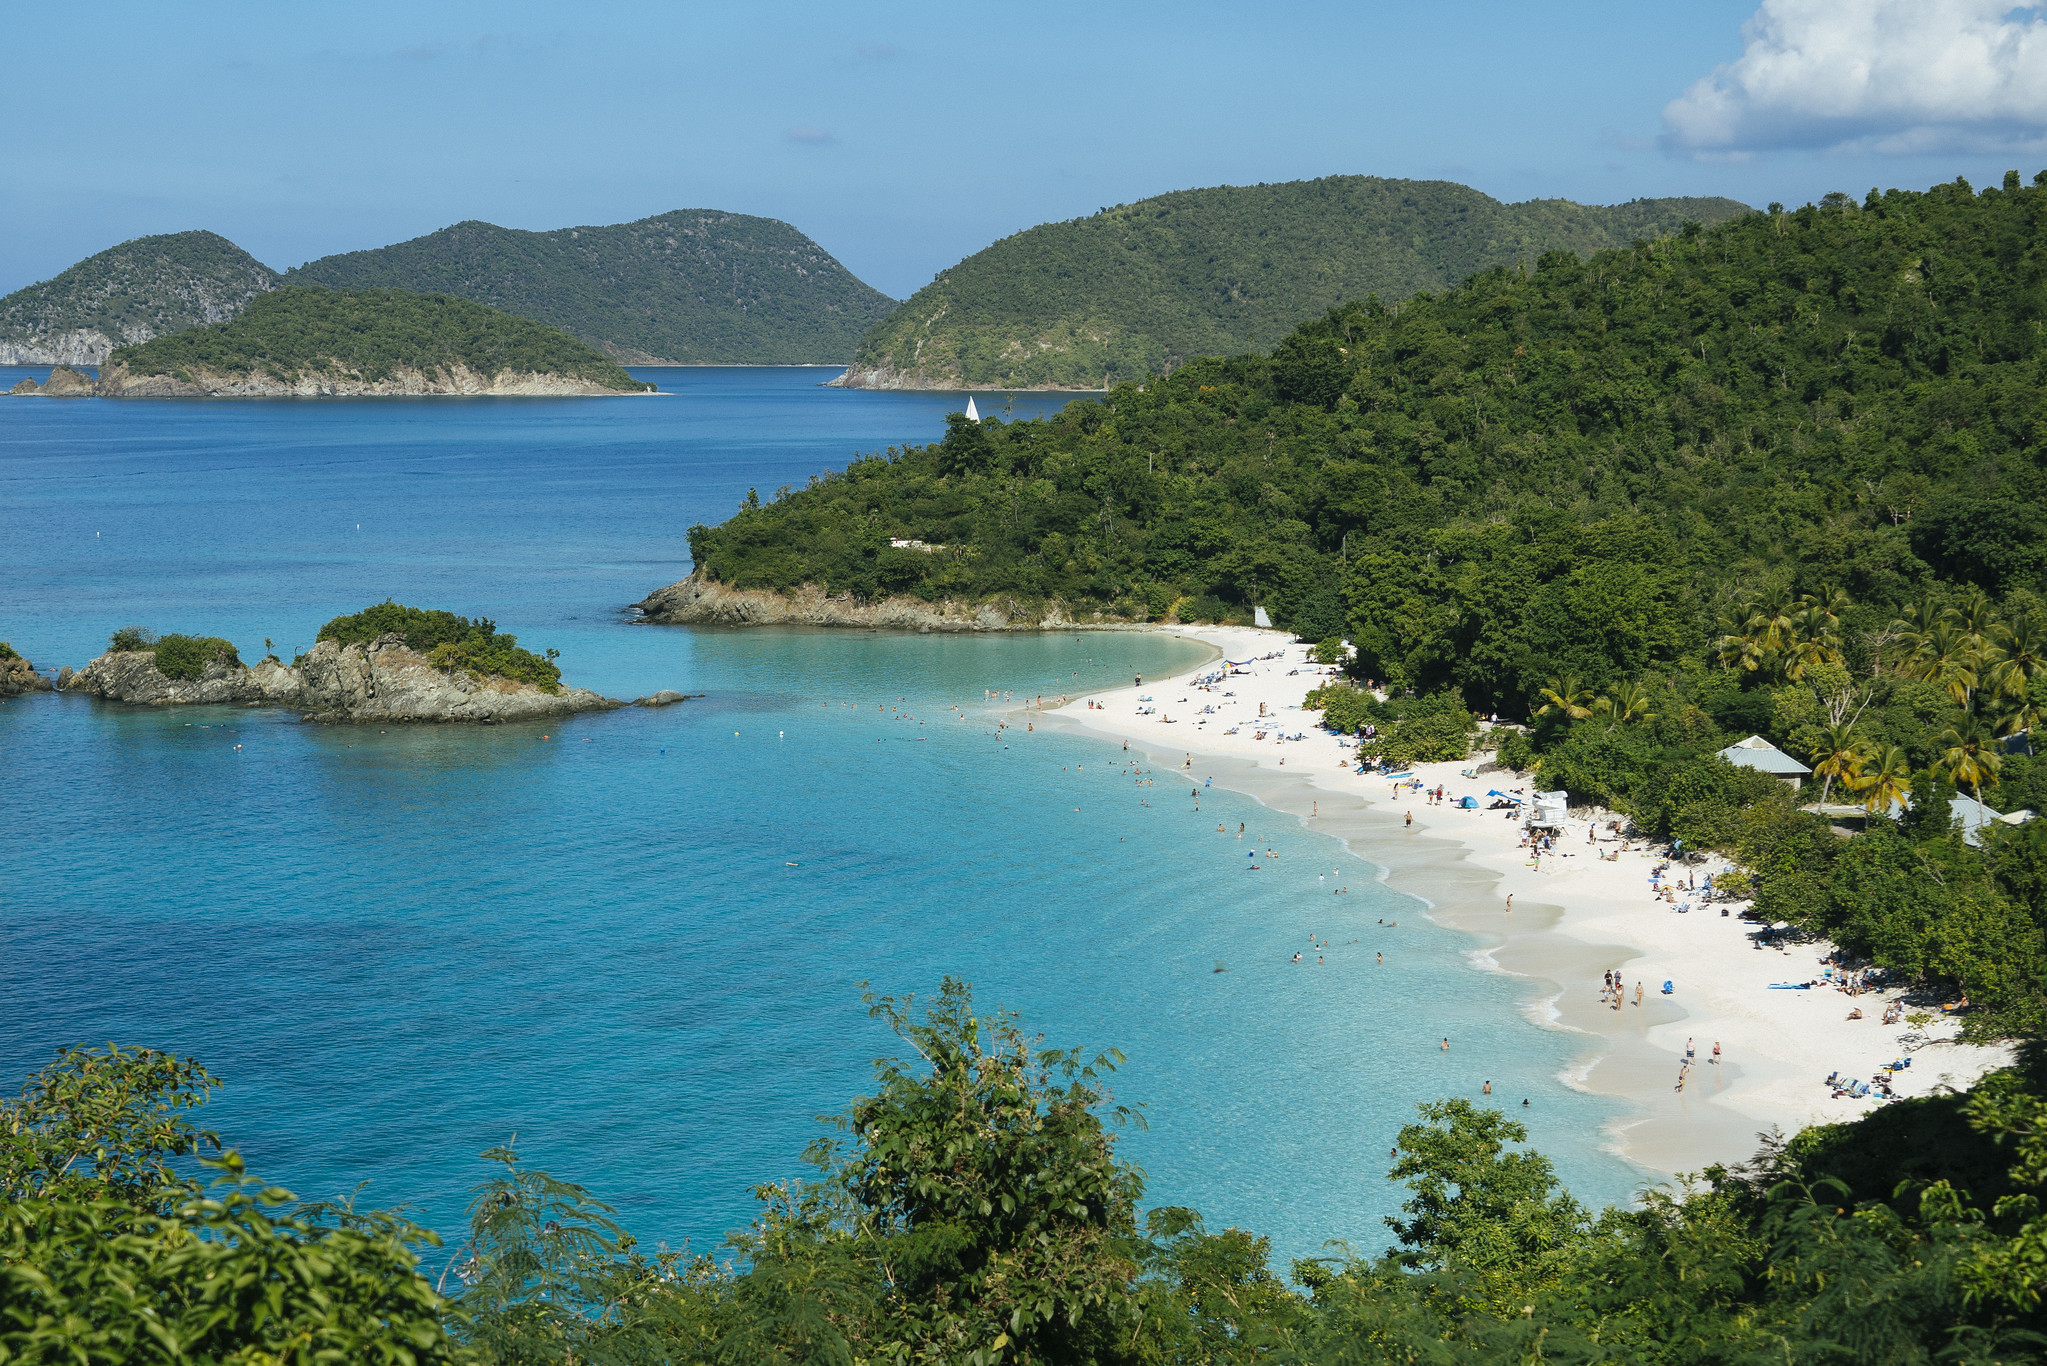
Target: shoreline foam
1572,920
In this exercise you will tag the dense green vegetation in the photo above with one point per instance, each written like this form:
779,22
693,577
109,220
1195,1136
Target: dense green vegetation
1144,288
973,1210
449,642
177,656
370,335
1779,477
140,289
694,286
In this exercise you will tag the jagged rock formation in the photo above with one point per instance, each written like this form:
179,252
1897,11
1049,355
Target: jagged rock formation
699,601
130,293
382,681
62,383
17,675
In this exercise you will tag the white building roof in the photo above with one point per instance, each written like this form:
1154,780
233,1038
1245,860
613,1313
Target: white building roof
1758,753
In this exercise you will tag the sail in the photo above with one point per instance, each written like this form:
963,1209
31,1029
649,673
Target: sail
973,413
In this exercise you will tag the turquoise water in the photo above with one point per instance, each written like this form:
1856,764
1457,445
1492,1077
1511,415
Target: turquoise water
634,939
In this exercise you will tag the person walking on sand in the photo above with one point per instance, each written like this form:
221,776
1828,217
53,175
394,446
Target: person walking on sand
1510,903
1410,818
1638,995
1716,1052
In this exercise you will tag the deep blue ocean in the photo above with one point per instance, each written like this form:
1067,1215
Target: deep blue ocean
634,939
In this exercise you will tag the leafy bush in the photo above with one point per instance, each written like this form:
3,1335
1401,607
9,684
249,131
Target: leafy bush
1345,707
1329,651
1700,800
7,651
449,642
178,657
1516,752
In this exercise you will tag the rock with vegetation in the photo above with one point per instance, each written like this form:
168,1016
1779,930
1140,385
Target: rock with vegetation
1143,288
127,294
17,675
387,663
698,600
307,342
694,286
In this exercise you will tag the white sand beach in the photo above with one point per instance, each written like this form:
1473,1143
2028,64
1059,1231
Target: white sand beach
1573,917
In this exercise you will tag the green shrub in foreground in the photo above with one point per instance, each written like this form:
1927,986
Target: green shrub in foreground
448,641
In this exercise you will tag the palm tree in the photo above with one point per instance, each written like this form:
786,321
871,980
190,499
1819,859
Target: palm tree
1912,629
1627,702
2018,657
1969,754
1885,779
1738,646
1946,655
1568,696
1812,638
1838,754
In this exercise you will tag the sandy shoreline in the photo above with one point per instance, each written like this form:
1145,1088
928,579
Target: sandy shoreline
1573,919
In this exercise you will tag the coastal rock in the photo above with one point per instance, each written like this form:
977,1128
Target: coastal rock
117,381
18,676
667,697
75,346
62,383
132,676
382,681
889,377
386,681
700,601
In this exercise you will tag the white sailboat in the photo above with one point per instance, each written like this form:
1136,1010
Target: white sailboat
973,413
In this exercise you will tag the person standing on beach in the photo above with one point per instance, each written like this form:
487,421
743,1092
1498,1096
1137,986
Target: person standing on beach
1510,903
1716,1052
1410,819
1638,995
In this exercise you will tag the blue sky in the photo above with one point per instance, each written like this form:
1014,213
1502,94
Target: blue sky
904,136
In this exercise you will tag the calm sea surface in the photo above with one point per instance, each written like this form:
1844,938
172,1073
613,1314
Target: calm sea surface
634,939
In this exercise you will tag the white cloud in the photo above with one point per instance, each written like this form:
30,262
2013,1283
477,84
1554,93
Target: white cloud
1904,76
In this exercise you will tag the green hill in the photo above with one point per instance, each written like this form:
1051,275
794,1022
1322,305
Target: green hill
360,339
130,293
1144,287
690,287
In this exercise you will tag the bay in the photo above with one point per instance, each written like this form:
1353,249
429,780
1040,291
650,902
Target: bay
636,939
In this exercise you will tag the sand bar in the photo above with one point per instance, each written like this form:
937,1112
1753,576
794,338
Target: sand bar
1574,917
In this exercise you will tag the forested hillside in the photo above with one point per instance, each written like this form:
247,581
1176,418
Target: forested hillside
1846,395
694,286
1145,287
370,335
140,289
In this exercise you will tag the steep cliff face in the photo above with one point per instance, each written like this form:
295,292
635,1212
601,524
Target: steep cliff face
130,293
699,601
118,381
379,682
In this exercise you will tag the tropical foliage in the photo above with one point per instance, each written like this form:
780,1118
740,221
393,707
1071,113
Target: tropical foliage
177,656
1596,468
450,642
974,1210
1143,288
370,335
694,286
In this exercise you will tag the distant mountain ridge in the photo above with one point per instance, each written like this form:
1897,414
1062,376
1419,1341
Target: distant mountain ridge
130,293
695,286
1144,287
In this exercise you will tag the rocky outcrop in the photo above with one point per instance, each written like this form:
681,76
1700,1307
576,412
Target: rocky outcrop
380,682
18,676
117,381
132,676
700,601
62,383
887,376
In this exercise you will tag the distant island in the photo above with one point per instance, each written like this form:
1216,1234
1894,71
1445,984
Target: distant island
1143,288
386,663
127,294
690,287
307,342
